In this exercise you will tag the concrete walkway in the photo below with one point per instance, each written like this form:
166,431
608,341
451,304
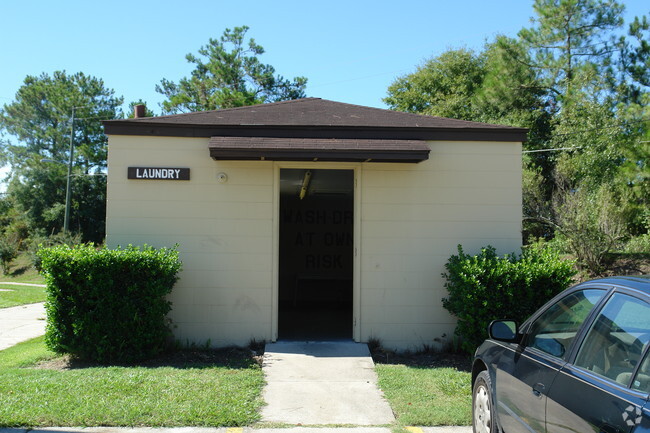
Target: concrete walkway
21,323
322,383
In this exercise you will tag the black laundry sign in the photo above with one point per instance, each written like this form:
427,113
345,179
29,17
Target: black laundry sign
159,173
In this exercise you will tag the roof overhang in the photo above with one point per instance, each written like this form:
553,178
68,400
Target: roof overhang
154,129
317,149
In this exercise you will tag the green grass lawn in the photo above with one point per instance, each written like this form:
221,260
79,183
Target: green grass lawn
422,396
21,272
211,394
20,295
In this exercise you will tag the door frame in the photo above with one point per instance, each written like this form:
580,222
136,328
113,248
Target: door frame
356,239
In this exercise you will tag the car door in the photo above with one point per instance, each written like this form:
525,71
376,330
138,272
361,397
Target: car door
524,376
606,388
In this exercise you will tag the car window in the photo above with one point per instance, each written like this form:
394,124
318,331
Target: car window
554,330
641,381
617,339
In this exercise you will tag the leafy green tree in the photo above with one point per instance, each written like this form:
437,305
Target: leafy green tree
591,202
595,140
583,92
493,86
228,73
8,252
635,169
634,109
38,126
634,65
444,86
599,178
511,92
572,44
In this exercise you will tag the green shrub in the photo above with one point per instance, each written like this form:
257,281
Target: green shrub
486,287
108,305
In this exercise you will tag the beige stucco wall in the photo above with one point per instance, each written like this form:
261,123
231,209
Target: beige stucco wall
413,216
224,232
410,217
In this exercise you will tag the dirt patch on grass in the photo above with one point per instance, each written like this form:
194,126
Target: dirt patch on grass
628,264
617,264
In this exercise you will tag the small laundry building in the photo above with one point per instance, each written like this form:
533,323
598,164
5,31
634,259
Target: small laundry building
312,219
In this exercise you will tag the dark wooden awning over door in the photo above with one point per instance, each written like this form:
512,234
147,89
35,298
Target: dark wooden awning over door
318,149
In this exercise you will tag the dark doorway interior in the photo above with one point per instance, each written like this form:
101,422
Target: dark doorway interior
316,254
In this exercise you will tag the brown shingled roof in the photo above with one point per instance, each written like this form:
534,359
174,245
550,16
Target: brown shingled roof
314,129
313,117
310,112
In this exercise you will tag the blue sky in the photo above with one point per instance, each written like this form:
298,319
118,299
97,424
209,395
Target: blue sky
349,50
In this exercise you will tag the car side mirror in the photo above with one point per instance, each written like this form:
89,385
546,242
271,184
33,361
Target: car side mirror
503,330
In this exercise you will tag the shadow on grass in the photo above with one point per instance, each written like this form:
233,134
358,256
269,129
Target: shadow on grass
42,430
423,359
231,358
18,271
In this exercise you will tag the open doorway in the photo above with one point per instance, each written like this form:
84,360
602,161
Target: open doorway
316,254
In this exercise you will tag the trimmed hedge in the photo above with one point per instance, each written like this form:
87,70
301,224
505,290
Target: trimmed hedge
486,287
108,305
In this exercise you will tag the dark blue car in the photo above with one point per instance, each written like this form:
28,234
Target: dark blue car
580,364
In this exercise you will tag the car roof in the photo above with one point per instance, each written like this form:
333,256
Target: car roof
638,282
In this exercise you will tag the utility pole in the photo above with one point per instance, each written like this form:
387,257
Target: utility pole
68,190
